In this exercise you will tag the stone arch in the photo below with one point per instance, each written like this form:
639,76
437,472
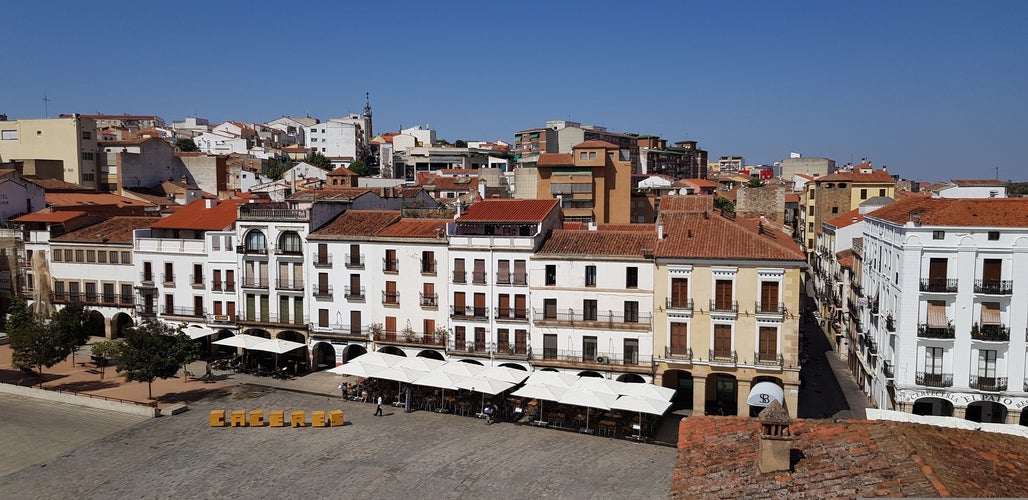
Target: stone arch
352,351
472,362
681,381
722,397
323,355
590,373
933,407
431,354
258,332
631,378
96,325
255,241
986,412
119,324
391,349
549,370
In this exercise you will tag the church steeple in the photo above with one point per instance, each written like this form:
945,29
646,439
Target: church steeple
368,132
367,104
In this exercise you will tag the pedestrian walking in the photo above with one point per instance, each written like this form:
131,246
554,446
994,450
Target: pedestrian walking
207,377
342,390
489,415
378,410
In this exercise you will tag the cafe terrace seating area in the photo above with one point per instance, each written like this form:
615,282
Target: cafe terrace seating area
543,398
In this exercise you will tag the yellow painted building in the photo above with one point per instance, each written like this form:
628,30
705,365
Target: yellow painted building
594,182
53,148
829,196
727,294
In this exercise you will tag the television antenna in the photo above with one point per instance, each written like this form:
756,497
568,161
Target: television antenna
46,106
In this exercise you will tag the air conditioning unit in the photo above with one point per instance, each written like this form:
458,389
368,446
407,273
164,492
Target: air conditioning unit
601,359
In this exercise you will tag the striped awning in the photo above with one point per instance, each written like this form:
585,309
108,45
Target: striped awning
990,313
937,316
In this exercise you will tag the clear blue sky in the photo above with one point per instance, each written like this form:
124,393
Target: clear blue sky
933,89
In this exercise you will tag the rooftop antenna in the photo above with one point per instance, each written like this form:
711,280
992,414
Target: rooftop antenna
997,173
46,106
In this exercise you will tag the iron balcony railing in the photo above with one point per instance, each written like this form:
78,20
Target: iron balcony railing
724,307
390,265
768,358
478,277
717,355
262,214
322,260
168,279
991,384
322,291
289,284
938,285
354,293
591,316
934,379
391,298
1005,287
340,329
520,279
679,304
251,317
428,267
503,278
355,261
594,357
469,312
935,332
678,352
429,300
772,308
994,333
460,276
146,277
251,282
183,311
887,369
409,338
510,313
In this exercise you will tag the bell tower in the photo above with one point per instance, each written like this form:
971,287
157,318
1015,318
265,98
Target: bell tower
368,132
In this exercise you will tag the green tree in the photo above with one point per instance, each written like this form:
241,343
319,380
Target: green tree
72,326
186,351
18,313
318,160
722,203
35,345
151,351
460,143
360,168
754,183
185,144
106,350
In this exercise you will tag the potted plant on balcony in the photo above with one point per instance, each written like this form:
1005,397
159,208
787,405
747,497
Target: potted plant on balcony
975,330
376,330
441,335
408,334
505,348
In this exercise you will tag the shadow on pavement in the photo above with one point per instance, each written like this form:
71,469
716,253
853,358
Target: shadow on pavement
85,385
820,395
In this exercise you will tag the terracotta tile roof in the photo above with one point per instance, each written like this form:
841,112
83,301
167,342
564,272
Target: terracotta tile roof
686,203
978,182
596,144
198,217
459,171
452,183
115,117
613,243
876,176
637,228
416,228
852,217
845,257
58,185
329,194
493,210
562,159
357,223
697,183
342,171
710,235
805,176
62,216
87,199
126,142
574,225
113,230
294,148
717,458
961,212
792,197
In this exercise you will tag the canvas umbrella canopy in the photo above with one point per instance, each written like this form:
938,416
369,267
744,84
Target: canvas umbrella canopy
640,405
763,393
420,363
363,370
199,331
245,341
378,358
555,379
485,386
277,346
649,391
440,380
588,399
598,385
540,392
401,375
504,374
461,368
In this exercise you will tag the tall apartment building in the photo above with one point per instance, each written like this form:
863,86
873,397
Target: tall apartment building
829,196
593,184
53,148
592,303
727,296
561,136
683,160
812,166
946,314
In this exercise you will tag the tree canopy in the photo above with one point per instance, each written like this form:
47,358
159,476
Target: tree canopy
185,144
460,143
360,168
318,160
36,344
151,351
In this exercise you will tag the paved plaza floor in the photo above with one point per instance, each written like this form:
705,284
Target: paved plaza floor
399,455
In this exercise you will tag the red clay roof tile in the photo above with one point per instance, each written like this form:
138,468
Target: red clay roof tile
352,223
960,212
197,216
555,159
709,235
113,230
596,145
519,210
612,243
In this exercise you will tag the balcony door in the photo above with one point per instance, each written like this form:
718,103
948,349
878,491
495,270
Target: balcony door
992,271
723,294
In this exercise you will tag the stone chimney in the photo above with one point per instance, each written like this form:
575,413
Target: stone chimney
775,439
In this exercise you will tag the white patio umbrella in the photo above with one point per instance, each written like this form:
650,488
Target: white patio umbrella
421,363
378,359
588,399
401,375
440,380
485,386
540,392
763,393
199,331
504,374
647,391
641,405
555,379
598,385
243,340
461,368
363,370
277,346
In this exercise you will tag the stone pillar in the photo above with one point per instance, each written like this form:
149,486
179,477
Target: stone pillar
109,326
742,391
699,395
1014,417
774,454
792,398
960,411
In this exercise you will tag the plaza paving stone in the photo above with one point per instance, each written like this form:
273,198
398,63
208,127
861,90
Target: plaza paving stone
400,455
